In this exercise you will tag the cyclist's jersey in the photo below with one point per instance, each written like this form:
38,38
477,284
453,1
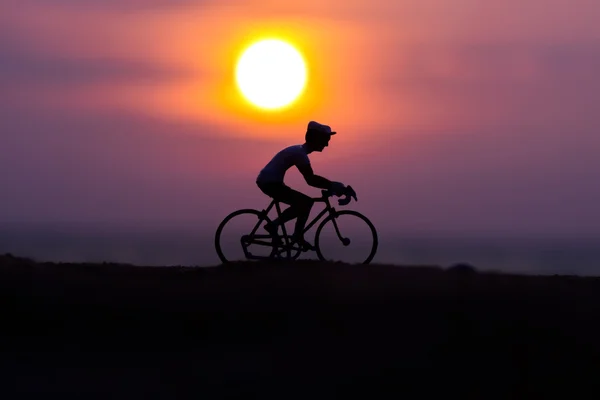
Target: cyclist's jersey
275,170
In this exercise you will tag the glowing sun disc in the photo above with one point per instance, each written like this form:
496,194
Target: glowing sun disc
271,74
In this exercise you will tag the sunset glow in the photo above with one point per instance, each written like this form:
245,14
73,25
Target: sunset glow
271,74
478,117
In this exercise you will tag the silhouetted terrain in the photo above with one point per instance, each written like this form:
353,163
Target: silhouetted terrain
302,330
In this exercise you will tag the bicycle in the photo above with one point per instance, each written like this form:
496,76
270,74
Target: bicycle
288,246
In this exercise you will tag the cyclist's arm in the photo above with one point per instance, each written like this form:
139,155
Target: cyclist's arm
312,179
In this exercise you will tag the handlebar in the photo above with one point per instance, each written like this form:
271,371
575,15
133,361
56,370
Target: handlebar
349,194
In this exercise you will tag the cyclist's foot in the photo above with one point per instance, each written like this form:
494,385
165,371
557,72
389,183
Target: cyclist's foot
272,230
306,246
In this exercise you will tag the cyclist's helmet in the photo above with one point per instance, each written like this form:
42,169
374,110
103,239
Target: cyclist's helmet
316,132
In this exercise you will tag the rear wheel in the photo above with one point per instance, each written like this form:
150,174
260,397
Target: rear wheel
233,234
346,236
241,237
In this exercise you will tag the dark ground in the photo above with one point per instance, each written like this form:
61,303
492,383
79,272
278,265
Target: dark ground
304,330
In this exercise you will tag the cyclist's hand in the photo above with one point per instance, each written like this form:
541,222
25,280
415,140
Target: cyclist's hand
338,188
349,195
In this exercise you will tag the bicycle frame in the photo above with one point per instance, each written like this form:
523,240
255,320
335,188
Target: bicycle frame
251,238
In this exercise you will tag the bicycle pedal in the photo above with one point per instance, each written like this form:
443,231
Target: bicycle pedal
306,247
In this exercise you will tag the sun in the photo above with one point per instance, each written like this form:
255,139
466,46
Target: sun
271,74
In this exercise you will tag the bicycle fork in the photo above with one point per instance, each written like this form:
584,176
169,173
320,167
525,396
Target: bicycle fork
345,241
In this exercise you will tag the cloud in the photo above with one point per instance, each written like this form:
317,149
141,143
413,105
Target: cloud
466,63
121,166
496,84
121,5
505,179
20,65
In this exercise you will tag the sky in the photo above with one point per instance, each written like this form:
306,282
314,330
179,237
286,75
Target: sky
464,117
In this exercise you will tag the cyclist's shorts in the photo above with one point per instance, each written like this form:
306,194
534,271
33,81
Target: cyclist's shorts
281,192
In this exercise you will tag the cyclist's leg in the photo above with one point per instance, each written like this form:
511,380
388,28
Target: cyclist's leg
275,190
299,206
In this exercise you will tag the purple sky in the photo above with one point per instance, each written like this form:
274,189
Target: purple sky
458,116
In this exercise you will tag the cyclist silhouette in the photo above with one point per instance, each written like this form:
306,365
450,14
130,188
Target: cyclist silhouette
270,180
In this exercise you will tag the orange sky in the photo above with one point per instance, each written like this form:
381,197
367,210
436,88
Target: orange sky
201,47
347,49
420,91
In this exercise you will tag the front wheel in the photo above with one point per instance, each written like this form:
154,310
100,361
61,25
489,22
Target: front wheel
346,236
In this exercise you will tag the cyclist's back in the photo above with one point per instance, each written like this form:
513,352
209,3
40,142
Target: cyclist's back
275,170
